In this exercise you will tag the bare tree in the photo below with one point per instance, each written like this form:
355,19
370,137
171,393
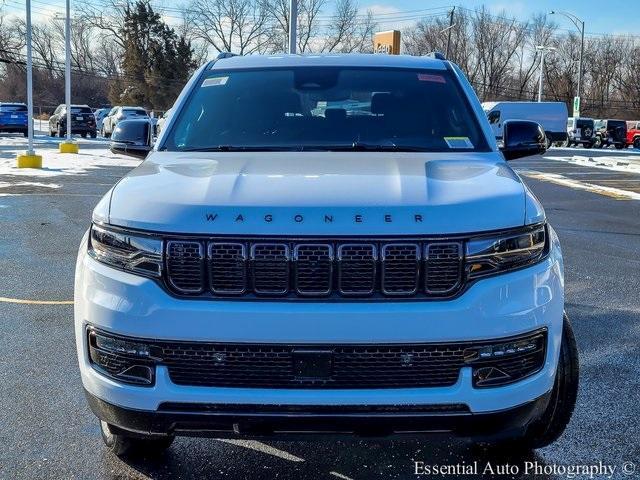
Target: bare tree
349,31
228,25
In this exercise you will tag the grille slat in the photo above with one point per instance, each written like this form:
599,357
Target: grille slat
270,268
241,268
227,268
185,266
400,268
443,270
314,269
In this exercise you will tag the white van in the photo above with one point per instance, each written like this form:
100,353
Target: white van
551,115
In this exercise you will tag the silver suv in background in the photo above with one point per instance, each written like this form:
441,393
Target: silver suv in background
119,113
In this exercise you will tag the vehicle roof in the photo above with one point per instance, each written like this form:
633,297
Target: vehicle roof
13,103
75,105
131,107
328,60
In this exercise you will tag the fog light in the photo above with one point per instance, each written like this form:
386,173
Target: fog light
121,346
508,361
123,360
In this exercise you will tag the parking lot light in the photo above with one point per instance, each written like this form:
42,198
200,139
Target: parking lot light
29,159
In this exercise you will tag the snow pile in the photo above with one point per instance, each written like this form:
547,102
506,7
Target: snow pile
55,164
629,164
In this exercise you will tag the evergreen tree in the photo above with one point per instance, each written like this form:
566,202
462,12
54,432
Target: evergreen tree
156,62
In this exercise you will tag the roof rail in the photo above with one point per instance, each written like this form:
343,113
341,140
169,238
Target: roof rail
436,54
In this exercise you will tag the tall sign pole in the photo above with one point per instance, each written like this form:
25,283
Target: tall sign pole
293,25
29,159
68,146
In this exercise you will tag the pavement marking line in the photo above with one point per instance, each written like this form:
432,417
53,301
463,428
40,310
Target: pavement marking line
339,475
556,178
263,448
35,302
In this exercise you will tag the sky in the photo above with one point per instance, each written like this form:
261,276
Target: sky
596,14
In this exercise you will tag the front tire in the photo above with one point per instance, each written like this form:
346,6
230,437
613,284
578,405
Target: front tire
554,420
636,142
122,444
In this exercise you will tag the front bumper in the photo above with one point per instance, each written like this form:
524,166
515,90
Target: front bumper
502,306
13,128
251,421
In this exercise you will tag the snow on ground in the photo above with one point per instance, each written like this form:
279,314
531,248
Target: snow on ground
93,154
628,164
54,163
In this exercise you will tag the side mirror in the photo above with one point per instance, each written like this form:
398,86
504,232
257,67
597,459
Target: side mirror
522,138
132,137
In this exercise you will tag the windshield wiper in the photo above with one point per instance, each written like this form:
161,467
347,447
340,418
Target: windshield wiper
242,148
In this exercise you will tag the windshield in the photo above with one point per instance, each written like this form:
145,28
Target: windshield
313,108
13,108
80,110
134,111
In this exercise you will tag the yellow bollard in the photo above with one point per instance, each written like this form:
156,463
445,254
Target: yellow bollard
68,147
26,160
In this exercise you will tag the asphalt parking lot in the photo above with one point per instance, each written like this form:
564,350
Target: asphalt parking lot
47,430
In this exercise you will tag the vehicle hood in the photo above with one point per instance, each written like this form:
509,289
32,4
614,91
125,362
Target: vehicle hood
319,193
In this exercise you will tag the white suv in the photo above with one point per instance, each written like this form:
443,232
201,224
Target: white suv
324,244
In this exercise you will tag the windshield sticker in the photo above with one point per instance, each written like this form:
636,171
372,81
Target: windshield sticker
427,77
458,142
214,81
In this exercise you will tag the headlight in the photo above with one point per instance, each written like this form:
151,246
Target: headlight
125,250
487,255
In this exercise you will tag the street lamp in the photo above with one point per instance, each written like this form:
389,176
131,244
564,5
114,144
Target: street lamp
68,146
542,49
579,24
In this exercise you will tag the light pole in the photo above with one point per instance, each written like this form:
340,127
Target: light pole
542,49
29,159
68,146
293,25
450,27
579,24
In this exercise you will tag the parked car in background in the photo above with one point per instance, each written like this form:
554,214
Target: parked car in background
551,115
118,113
162,120
580,131
82,121
611,132
100,113
13,118
633,134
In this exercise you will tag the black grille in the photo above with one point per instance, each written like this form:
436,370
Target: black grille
270,268
185,266
443,267
358,366
314,269
353,366
227,268
357,269
400,268
243,268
